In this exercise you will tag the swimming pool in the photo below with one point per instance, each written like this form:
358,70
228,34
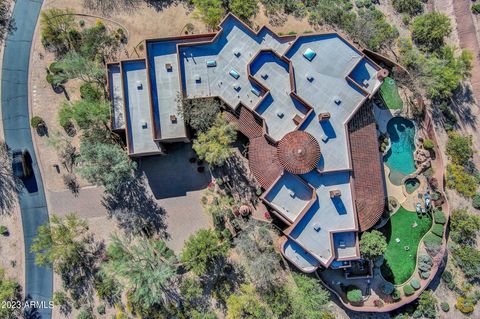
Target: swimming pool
400,156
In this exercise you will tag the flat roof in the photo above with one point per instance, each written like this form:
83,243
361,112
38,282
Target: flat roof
345,245
299,256
290,195
326,215
365,75
278,108
137,104
202,81
116,95
164,77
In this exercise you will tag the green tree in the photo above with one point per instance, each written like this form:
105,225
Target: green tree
310,299
86,113
214,145
333,12
427,304
412,7
146,268
61,241
57,29
244,9
76,66
430,29
202,251
210,12
200,113
464,226
105,164
373,244
373,30
467,258
461,180
246,304
9,291
459,148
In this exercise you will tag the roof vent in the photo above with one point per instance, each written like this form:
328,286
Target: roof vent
337,100
317,227
324,138
139,85
144,125
236,87
237,53
168,67
280,114
292,194
335,193
198,79
309,77
324,116
264,76
309,54
173,118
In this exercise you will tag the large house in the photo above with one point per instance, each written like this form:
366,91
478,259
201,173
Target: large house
301,102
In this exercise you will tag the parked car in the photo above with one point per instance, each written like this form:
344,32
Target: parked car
21,163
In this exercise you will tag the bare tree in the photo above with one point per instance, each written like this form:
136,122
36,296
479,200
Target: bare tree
10,185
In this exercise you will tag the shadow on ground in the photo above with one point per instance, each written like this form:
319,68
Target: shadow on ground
174,175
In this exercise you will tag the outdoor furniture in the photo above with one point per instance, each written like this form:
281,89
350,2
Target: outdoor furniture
211,63
173,118
168,67
234,74
297,119
309,54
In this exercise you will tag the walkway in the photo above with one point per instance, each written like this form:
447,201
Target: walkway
468,40
15,112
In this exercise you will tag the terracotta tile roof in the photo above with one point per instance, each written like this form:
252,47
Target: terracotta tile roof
262,156
298,152
368,180
263,161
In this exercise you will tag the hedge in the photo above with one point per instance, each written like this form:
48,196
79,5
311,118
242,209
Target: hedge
424,274
439,217
354,295
415,283
432,243
396,295
438,230
36,121
408,290
388,288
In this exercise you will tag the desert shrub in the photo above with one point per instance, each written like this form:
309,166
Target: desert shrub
425,262
476,201
424,274
410,7
439,217
101,309
415,283
428,144
465,305
89,91
3,230
36,122
408,290
354,295
388,288
461,180
445,306
432,243
476,8
55,68
396,295
437,229
467,258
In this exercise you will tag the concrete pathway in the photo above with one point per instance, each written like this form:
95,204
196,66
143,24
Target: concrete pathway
15,115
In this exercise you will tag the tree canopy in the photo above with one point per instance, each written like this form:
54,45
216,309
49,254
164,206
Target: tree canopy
146,268
372,244
244,9
214,145
309,298
202,251
430,29
372,30
86,113
460,148
9,291
464,226
210,12
200,113
105,164
411,7
246,304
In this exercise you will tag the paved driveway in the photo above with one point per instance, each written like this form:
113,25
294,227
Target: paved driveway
15,114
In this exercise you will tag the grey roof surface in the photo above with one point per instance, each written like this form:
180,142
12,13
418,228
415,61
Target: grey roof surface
216,81
138,108
165,89
289,195
297,255
365,74
331,65
330,215
116,95
278,108
345,245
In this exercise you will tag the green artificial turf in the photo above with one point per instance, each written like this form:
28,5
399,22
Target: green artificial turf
400,263
389,93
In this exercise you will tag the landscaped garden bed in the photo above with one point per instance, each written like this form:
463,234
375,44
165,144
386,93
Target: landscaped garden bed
403,232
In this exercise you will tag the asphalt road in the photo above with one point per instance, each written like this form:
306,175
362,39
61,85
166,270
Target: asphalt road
39,280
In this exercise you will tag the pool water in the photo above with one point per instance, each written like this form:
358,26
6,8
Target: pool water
411,185
400,156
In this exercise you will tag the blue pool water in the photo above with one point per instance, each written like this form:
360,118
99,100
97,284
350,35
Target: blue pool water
400,156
